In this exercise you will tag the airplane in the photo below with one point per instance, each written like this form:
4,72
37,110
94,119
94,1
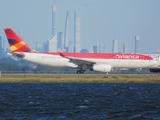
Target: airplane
101,62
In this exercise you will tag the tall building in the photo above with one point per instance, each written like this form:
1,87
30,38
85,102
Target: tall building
45,48
66,42
4,45
96,49
70,45
103,49
1,43
60,41
125,47
136,44
77,47
54,20
38,46
115,46
91,50
2,54
52,44
99,49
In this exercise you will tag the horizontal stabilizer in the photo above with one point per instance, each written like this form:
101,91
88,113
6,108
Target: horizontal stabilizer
19,55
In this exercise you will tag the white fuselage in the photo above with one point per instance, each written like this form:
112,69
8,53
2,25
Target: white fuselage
59,61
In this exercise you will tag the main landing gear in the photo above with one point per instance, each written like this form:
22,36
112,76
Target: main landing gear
81,71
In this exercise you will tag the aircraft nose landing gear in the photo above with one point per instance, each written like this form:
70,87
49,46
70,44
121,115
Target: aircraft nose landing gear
81,71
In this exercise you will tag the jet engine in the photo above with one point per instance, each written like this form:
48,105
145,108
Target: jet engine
102,67
154,69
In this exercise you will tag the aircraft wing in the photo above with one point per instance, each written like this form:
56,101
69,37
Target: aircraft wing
78,61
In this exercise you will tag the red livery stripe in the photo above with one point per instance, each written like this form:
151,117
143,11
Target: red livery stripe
103,55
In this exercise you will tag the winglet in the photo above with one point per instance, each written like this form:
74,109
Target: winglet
62,55
15,42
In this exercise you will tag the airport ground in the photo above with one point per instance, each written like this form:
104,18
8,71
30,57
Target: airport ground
81,78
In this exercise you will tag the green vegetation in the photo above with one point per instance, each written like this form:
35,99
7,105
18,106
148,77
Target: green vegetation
125,76
105,77
115,77
80,78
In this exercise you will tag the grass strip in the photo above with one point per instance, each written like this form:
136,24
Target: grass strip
81,78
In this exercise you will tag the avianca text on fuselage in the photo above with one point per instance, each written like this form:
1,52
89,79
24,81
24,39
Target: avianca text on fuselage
119,56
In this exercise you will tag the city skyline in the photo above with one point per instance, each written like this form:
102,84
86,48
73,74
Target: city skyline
101,21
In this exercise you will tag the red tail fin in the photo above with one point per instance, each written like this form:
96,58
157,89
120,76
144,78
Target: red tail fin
15,42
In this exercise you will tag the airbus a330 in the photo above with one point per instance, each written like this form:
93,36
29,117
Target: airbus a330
102,62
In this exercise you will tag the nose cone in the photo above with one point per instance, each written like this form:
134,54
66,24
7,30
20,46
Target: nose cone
154,63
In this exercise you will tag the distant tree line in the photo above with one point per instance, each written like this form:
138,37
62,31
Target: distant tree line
18,65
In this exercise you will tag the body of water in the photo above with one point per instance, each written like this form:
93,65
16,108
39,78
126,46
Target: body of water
83,101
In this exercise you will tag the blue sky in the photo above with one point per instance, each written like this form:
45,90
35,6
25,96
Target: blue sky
101,21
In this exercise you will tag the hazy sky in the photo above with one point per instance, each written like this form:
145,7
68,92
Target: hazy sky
101,21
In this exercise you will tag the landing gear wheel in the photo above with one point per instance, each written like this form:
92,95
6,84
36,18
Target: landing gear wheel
81,71
78,72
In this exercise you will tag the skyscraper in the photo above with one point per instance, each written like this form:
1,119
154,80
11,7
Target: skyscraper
136,44
125,47
91,50
60,41
54,20
38,46
103,49
52,44
66,34
77,47
96,49
1,48
45,47
70,45
4,48
115,46
1,43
